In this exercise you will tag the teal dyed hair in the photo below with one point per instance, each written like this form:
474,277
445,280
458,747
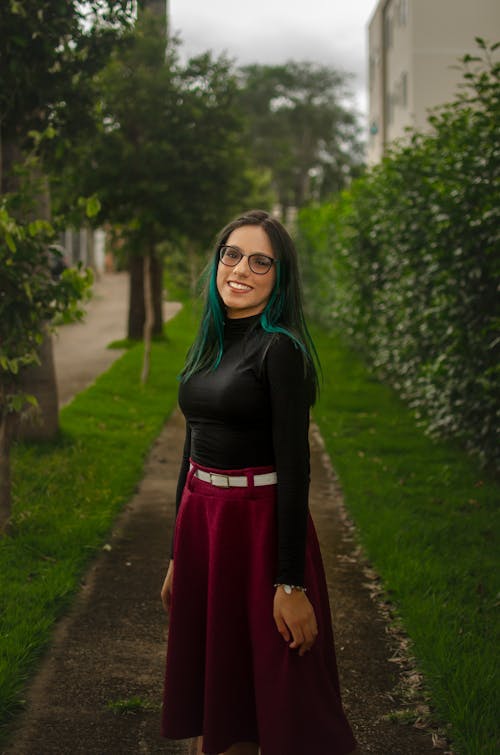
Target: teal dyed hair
282,314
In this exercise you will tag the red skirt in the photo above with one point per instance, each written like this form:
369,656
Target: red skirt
230,676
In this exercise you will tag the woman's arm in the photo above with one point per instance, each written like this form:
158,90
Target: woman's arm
183,472
166,590
291,391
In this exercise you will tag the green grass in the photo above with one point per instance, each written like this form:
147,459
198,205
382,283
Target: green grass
131,706
428,519
67,494
426,515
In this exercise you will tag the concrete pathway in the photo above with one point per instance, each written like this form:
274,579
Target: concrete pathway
80,349
107,655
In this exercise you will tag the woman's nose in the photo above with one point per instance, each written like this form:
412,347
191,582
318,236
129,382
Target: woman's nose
242,268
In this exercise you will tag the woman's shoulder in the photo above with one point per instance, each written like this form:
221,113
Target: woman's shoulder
284,354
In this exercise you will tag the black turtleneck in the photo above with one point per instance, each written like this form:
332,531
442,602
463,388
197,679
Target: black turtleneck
253,410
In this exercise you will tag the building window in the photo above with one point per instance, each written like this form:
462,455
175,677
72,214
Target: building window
374,59
403,92
403,12
388,31
389,107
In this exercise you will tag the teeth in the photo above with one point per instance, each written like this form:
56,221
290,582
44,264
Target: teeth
239,286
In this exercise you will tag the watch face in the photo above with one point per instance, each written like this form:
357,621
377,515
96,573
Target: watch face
287,589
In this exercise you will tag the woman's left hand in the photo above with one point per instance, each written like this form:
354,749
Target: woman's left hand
166,590
295,619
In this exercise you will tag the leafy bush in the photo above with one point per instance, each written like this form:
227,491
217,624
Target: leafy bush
407,265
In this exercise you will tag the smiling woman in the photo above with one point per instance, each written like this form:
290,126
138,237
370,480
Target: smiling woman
250,659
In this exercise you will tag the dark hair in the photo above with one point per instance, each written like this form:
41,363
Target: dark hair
282,314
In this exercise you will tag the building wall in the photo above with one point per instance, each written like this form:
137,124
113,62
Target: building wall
414,47
376,88
398,60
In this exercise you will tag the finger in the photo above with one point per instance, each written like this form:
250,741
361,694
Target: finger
282,628
298,638
310,635
166,599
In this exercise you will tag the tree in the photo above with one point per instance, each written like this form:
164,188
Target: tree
300,128
49,53
168,161
29,298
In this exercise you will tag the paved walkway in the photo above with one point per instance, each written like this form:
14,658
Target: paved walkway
108,653
80,349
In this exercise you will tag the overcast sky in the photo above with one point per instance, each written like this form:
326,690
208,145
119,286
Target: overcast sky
331,32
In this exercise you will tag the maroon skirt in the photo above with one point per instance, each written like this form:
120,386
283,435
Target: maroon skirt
230,676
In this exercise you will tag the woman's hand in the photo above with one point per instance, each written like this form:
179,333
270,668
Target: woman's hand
295,619
166,590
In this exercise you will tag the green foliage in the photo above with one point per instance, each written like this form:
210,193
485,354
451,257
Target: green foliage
96,463
49,52
166,160
30,297
131,706
406,264
429,523
300,129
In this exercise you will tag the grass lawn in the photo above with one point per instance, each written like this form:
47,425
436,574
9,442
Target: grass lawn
428,519
426,515
67,493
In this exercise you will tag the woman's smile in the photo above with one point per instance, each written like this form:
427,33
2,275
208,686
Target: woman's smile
242,287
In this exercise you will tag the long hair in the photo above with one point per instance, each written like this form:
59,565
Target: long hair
282,314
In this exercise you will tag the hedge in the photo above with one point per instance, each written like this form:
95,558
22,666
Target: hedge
406,263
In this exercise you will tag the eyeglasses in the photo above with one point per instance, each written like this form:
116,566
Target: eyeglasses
260,264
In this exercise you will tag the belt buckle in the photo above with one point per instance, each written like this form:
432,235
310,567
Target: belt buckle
219,480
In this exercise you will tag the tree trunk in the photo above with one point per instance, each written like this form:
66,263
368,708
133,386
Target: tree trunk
39,380
10,154
5,486
136,314
193,264
157,293
149,319
137,310
91,261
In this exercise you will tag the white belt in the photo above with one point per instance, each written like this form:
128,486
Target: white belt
235,481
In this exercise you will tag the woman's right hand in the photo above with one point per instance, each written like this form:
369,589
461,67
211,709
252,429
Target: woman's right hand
295,619
166,590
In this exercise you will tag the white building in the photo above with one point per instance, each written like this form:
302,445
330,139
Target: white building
414,51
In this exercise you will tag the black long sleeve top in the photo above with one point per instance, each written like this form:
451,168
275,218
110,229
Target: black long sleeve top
253,410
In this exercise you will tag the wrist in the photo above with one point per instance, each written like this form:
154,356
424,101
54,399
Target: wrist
288,589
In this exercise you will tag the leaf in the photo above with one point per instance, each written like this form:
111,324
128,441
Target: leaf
92,206
28,291
37,137
10,242
17,402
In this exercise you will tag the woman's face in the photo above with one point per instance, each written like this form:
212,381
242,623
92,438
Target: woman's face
244,292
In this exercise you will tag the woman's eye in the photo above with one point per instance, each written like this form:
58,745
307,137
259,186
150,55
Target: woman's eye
262,261
231,254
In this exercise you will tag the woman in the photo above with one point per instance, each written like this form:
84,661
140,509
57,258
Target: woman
250,658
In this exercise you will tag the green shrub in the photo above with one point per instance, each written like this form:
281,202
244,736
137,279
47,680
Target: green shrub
407,265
